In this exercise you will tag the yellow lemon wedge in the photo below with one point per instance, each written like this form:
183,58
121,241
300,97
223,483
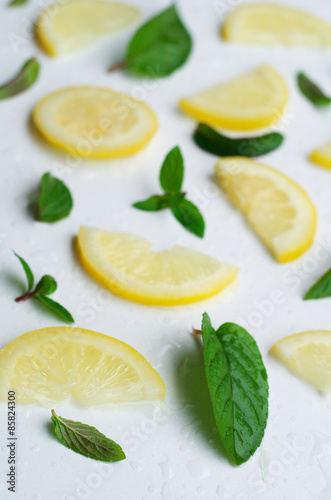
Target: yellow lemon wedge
307,354
270,24
278,210
68,26
251,101
52,365
322,156
94,122
126,265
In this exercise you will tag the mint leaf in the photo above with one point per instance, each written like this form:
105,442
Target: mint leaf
27,270
218,144
46,285
321,289
172,171
55,201
55,307
238,386
153,204
17,3
86,440
159,47
189,216
26,77
310,90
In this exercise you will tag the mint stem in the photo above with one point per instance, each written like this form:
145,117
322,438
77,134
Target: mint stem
195,331
25,296
117,66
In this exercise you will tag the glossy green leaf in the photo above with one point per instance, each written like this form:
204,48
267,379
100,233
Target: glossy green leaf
313,93
189,216
26,77
55,307
153,204
55,200
172,171
27,270
321,289
46,286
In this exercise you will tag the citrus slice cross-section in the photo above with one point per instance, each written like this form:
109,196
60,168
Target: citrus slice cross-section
307,354
127,265
94,122
68,26
52,365
277,208
251,101
322,156
270,24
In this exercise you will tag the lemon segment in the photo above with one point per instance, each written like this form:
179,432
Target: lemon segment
94,122
68,26
126,265
53,365
271,24
278,210
251,101
322,156
308,355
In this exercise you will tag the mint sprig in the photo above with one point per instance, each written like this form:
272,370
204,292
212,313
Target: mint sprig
26,77
171,180
321,289
313,93
55,200
46,286
86,440
159,47
218,144
238,386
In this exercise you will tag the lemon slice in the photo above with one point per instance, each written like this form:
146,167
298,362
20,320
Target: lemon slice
253,100
94,122
73,24
52,365
277,209
322,156
270,24
307,354
126,265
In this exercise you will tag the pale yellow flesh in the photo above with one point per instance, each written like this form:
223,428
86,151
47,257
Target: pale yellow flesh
322,156
68,26
94,122
52,365
271,24
308,355
126,265
276,208
248,102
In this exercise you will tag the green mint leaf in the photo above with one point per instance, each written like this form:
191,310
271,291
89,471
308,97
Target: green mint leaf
55,307
312,91
153,204
55,201
321,289
46,286
86,440
238,386
172,171
27,270
17,3
189,216
218,144
26,77
159,47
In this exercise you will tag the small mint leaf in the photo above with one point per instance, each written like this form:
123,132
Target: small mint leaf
26,77
86,440
55,200
55,307
189,216
27,270
310,90
172,171
46,286
153,204
321,289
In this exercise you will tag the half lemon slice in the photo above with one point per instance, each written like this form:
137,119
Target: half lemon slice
52,365
277,208
126,265
251,101
269,24
94,122
68,26
307,354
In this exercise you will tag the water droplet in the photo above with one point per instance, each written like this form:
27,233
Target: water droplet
136,466
197,469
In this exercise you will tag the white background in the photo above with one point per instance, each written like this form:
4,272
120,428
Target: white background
173,451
